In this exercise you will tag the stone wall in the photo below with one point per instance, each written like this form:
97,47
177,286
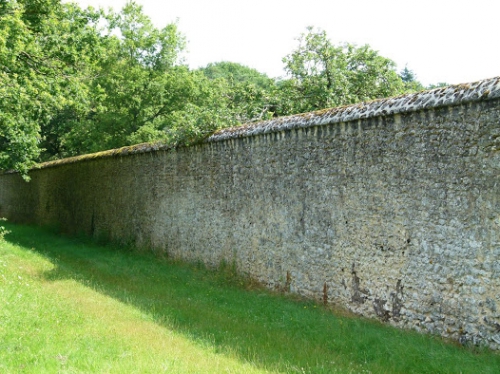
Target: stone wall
389,208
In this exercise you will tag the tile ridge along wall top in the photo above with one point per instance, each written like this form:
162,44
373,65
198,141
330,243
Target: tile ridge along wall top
487,89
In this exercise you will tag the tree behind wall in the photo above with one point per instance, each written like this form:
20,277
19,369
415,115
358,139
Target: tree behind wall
323,75
75,81
44,63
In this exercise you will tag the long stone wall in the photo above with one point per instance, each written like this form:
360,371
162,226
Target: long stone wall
389,208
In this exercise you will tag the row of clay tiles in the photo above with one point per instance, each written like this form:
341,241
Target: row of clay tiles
447,96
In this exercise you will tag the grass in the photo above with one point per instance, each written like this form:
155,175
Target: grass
68,305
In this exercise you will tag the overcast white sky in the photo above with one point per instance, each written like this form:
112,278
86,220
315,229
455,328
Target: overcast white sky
453,41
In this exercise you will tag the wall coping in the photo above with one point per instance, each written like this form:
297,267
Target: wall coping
453,95
487,89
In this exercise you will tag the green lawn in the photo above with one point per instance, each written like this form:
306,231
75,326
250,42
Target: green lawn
68,305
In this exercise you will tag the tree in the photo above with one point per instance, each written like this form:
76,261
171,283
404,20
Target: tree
324,75
249,93
437,85
237,73
127,89
35,77
139,91
409,78
75,81
83,45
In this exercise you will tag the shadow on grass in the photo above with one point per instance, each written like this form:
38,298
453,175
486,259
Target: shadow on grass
268,330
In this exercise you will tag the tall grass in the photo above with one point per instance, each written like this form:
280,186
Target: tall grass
70,305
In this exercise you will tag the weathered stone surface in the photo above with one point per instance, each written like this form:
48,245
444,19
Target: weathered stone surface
390,208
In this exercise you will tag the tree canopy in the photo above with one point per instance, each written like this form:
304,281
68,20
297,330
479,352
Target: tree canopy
324,75
250,94
46,50
75,81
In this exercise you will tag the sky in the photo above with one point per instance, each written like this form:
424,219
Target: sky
452,41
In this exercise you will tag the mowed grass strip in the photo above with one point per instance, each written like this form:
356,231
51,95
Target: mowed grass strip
69,305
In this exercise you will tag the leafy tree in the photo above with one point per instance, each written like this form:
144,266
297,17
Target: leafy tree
127,90
83,45
18,112
411,83
36,76
145,94
237,73
250,93
139,90
75,80
324,75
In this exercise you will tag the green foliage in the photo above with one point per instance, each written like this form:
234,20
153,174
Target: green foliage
324,75
18,114
237,74
437,85
131,86
250,94
407,76
42,63
410,81
75,81
139,92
